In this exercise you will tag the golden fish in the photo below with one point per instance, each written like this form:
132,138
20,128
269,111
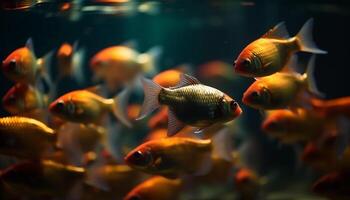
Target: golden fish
25,137
83,106
271,52
157,187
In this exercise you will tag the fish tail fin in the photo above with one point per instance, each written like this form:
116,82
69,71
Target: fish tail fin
111,140
45,69
150,102
77,62
151,8
119,106
310,77
150,59
222,144
94,176
305,39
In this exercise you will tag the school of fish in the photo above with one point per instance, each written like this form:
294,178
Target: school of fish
92,142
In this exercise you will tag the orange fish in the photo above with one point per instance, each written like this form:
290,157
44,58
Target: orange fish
282,90
247,183
334,185
25,137
83,106
332,107
42,179
170,157
119,65
168,78
23,66
271,52
157,187
294,126
24,98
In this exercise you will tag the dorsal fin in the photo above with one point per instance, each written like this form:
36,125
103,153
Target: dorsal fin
29,44
187,80
292,65
277,32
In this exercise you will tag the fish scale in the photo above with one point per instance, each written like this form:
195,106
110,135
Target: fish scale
23,123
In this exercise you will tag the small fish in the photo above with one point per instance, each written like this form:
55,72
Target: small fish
190,103
24,98
157,187
82,106
282,90
42,179
272,52
332,107
334,185
168,78
120,65
21,4
119,179
70,62
247,183
216,70
22,65
294,126
25,137
170,157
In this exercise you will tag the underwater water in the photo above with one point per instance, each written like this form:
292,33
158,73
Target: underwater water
73,89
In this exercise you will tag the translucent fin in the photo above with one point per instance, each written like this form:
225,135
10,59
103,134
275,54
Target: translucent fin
130,43
120,105
150,59
310,78
292,64
69,143
174,125
151,8
78,61
30,45
277,32
150,102
112,140
94,177
187,80
305,39
222,144
45,68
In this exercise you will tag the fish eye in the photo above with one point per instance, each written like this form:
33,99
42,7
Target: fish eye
246,62
13,64
60,104
141,158
12,97
233,105
255,94
265,94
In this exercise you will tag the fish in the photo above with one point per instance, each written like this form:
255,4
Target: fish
21,4
295,126
189,103
168,78
170,157
116,178
24,98
270,53
216,70
83,106
247,183
334,185
23,66
332,107
25,137
282,90
120,65
44,178
156,187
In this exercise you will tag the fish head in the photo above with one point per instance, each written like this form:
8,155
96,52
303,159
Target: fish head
64,107
257,95
18,64
248,64
230,107
14,99
278,121
140,158
65,55
133,196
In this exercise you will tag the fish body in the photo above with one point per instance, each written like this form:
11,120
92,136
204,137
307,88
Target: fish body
24,98
22,65
157,187
25,137
332,107
43,178
119,65
276,91
168,78
191,103
270,53
83,106
247,183
170,156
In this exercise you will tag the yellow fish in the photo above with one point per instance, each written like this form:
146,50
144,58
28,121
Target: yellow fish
271,52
